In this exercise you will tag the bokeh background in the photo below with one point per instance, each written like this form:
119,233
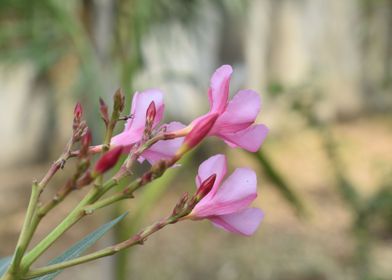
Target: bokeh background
324,72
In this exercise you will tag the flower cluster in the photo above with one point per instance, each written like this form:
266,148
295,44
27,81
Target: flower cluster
232,121
226,203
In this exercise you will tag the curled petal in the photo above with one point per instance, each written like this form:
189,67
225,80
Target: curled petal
140,103
235,194
245,222
249,139
218,92
240,113
164,149
214,165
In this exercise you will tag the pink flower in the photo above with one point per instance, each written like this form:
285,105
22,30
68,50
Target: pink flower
227,204
134,127
235,124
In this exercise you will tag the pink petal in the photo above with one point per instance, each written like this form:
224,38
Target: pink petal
235,194
218,92
240,113
126,139
140,103
249,139
245,222
164,149
214,165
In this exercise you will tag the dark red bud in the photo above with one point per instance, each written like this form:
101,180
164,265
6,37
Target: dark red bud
108,160
78,111
103,108
85,180
205,187
151,113
85,143
198,133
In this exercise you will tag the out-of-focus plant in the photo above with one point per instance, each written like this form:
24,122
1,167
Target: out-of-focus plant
224,202
365,211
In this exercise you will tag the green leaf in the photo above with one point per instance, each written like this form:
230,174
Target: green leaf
77,249
4,262
280,183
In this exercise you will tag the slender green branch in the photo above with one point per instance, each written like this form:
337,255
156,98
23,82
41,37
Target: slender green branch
73,217
24,239
136,239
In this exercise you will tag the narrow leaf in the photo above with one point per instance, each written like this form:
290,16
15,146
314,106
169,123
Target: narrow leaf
81,246
4,263
280,183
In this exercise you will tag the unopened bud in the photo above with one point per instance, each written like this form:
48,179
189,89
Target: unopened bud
78,113
198,133
108,160
85,143
151,113
85,180
119,101
180,206
103,109
205,187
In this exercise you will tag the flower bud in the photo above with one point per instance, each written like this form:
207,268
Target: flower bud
85,143
198,133
180,206
119,101
151,113
205,187
85,180
78,113
108,160
103,109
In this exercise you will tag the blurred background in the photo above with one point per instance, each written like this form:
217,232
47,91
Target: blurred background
324,72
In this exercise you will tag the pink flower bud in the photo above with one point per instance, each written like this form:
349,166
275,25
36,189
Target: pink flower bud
78,111
108,160
205,187
198,133
103,108
85,143
84,180
151,113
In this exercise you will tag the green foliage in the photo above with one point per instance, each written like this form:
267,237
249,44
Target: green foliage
286,190
81,246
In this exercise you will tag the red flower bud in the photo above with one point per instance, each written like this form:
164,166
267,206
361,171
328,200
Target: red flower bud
151,113
85,143
84,180
198,133
205,187
78,111
108,160
103,108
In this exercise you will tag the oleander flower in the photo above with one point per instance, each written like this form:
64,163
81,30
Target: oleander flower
135,126
235,124
227,204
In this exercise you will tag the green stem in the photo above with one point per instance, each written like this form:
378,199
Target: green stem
27,229
136,239
73,217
